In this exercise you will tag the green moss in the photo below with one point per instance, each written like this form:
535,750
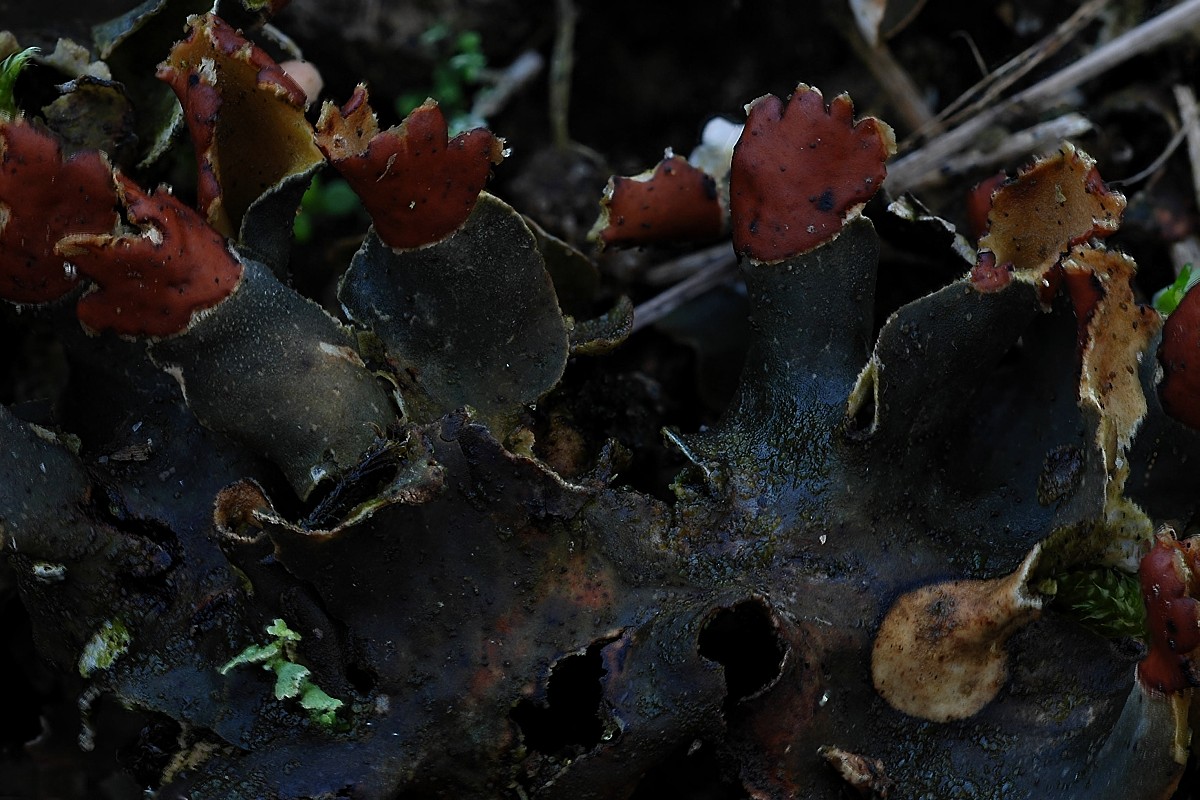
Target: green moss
1106,600
10,70
105,647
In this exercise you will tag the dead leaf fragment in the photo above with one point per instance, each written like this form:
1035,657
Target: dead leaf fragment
1114,330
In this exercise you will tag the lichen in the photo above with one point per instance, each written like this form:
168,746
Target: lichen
427,489
107,644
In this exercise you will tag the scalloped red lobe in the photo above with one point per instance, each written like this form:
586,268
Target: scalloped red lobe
418,185
800,170
1179,355
1173,616
42,199
151,283
675,202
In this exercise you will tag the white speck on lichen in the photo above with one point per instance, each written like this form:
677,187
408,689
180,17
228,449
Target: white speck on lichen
46,572
207,71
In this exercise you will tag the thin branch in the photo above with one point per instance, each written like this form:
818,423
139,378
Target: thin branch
1155,165
1020,144
1190,118
993,84
979,62
506,83
897,84
924,166
562,64
707,278
687,265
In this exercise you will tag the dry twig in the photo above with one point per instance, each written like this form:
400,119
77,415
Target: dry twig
562,64
924,166
720,267
506,83
1031,140
687,265
899,86
995,83
1189,117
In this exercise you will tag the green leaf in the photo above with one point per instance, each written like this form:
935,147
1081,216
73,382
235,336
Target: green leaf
435,33
314,698
332,198
448,89
281,631
408,101
470,43
288,678
468,65
302,228
253,654
10,70
1167,300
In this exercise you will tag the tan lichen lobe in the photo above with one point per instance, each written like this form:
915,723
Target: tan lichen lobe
940,654
1056,202
347,131
1114,330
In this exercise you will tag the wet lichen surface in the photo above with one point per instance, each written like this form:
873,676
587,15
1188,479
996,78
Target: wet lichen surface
850,585
501,627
